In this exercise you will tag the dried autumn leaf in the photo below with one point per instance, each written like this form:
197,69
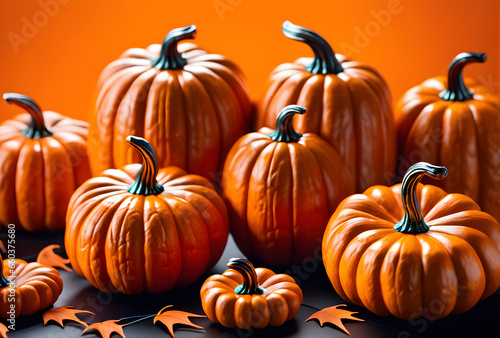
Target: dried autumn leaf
172,317
3,331
106,328
64,313
334,315
48,257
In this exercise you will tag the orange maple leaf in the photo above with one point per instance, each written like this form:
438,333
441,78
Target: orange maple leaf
106,328
64,313
3,331
334,315
48,257
172,317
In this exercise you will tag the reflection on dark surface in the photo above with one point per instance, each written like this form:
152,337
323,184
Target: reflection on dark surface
481,321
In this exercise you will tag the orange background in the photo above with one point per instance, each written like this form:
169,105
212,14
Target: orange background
58,61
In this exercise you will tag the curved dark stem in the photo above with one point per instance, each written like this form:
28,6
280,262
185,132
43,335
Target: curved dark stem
284,131
247,271
325,61
412,221
145,183
457,91
169,57
37,128
4,282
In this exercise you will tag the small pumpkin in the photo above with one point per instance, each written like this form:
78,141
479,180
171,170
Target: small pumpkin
281,188
348,103
44,159
191,106
246,297
144,229
28,287
444,122
412,250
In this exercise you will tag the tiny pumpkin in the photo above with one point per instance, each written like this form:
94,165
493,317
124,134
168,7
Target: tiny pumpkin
30,287
44,159
348,103
442,257
281,188
191,106
141,229
246,297
444,122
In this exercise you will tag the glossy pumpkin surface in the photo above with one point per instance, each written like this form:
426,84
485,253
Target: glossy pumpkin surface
348,104
455,122
281,188
144,229
412,250
246,298
191,106
43,158
37,287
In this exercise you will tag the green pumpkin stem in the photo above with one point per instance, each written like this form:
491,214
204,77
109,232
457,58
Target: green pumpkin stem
4,282
247,271
36,128
145,182
412,221
325,61
457,91
169,57
284,131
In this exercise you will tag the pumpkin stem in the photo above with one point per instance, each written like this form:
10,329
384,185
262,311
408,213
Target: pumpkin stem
145,182
4,282
325,61
412,221
284,131
169,57
37,128
457,91
247,271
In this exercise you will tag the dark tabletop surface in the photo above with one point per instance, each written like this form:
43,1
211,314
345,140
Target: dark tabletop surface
481,321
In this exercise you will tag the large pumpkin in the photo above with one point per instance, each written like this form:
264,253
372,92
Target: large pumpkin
142,229
43,158
245,297
281,188
191,106
412,250
443,122
27,288
348,104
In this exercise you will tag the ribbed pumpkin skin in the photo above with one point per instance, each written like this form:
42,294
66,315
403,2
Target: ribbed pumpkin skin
280,302
135,243
280,195
350,110
38,176
191,116
464,136
38,286
447,269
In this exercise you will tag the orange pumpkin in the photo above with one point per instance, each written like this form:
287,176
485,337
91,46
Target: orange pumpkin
44,159
348,103
281,188
27,288
191,106
142,229
245,297
442,257
443,122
